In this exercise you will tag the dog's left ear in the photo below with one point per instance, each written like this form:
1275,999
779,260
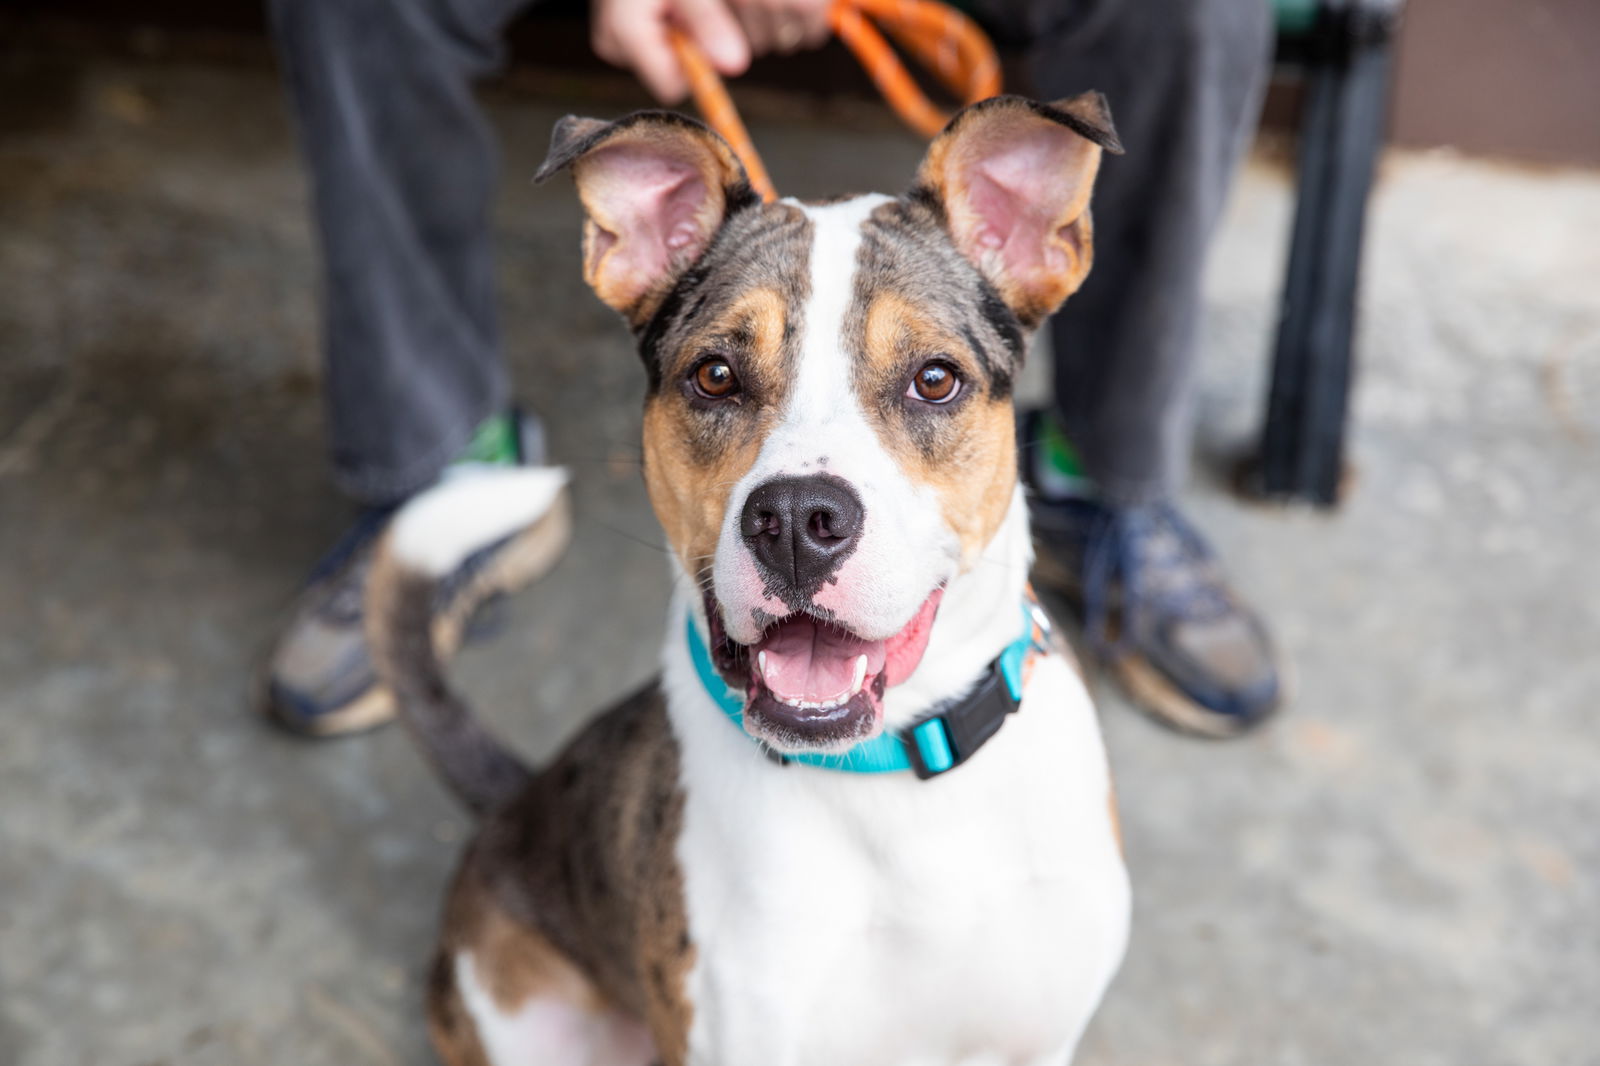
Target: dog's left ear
656,186
1013,179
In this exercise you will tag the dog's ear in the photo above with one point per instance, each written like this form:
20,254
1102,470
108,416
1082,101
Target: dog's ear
656,186
1012,178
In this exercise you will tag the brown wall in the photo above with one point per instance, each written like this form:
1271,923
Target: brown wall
1514,78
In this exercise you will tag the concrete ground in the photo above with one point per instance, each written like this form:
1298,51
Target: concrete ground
1402,870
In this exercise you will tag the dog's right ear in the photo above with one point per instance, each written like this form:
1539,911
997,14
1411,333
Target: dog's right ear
656,186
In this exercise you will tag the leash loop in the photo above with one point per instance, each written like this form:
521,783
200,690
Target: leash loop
949,44
716,106
938,36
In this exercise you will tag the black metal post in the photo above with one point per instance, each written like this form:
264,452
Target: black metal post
1341,131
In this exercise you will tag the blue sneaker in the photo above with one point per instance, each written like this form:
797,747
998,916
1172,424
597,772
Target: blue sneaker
1156,609
319,679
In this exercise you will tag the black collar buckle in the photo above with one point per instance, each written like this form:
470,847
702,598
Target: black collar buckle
945,739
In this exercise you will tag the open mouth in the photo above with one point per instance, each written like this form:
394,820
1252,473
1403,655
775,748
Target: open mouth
810,683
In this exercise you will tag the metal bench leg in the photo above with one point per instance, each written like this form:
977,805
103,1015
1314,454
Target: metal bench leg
1342,128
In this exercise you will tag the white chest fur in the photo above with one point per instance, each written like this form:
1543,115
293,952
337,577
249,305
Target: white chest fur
971,920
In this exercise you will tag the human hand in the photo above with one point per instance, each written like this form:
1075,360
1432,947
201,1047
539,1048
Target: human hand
782,26
633,34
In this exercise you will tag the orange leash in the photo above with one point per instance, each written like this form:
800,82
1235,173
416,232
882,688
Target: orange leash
949,44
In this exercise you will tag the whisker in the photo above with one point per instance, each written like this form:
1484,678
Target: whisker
626,535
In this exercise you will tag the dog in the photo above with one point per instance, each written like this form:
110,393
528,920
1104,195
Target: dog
864,815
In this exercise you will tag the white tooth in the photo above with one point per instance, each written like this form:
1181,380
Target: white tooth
861,674
761,661
816,705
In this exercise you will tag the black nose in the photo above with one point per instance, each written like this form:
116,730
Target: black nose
801,529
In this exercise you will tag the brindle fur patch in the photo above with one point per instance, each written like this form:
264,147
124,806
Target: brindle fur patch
917,299
743,303
573,888
515,962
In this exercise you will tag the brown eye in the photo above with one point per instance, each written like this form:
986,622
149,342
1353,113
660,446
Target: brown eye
714,379
936,382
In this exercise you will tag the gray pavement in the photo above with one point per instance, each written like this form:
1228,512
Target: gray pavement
1403,870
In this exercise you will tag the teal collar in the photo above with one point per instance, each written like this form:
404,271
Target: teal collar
935,744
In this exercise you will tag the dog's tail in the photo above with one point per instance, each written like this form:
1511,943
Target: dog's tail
500,527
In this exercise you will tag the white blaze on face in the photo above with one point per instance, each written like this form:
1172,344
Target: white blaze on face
905,548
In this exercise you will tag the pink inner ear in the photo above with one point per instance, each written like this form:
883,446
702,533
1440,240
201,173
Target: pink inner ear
650,207
1021,189
1009,226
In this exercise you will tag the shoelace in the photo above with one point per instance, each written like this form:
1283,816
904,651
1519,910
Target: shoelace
344,604
1160,560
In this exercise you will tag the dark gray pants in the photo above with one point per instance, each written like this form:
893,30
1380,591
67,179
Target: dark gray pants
403,168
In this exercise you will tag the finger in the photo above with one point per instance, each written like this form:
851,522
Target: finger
760,27
786,33
715,29
815,28
816,36
604,43
643,47
796,24
812,16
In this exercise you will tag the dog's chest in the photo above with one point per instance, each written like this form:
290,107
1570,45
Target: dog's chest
851,919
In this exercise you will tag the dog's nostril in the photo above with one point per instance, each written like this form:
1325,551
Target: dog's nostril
759,523
801,528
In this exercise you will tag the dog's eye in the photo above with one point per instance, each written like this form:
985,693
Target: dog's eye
936,382
715,380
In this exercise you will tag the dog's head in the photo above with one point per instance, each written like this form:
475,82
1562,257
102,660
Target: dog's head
828,433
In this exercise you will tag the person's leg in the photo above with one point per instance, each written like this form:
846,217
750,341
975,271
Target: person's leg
1184,79
403,168
402,165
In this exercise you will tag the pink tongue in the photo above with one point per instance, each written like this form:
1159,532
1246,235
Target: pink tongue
808,660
